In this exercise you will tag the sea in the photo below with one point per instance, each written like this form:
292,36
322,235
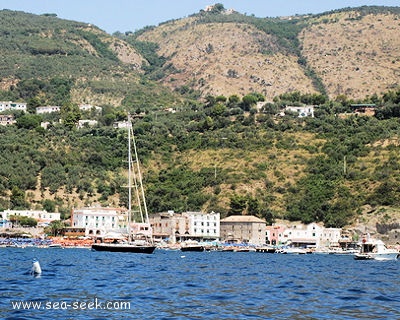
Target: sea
84,284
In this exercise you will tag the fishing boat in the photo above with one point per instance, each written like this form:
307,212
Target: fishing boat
139,243
372,249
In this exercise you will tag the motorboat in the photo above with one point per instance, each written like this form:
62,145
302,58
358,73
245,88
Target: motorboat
373,249
293,250
192,246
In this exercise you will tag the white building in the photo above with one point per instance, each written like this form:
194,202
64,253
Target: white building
175,227
305,111
14,106
203,225
312,234
47,109
121,124
41,216
89,107
99,221
90,123
7,119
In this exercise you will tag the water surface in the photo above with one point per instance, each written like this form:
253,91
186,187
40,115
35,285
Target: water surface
197,285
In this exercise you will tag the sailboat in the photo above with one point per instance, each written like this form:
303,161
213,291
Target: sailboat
132,245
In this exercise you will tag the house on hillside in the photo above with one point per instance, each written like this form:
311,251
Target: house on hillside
7,119
47,109
89,107
86,123
304,111
13,106
366,109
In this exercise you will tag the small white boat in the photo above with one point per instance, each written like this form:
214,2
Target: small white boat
376,250
56,246
293,250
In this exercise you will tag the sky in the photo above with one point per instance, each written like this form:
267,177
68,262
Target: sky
132,15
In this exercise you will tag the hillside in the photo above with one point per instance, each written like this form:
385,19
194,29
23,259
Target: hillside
354,53
227,59
99,69
348,52
192,86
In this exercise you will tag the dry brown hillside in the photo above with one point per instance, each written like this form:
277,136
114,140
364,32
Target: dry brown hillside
353,55
226,59
351,52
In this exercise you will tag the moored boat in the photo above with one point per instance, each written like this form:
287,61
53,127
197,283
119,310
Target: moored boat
266,249
121,247
136,246
373,249
192,246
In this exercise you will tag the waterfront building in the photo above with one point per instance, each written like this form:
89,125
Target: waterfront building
177,227
243,229
274,234
203,225
99,221
311,235
42,217
167,225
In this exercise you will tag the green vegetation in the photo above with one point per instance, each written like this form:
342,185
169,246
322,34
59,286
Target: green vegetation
218,153
202,157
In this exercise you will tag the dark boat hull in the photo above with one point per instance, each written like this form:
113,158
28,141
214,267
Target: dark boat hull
193,248
123,248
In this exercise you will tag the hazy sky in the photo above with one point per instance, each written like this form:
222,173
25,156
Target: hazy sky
131,15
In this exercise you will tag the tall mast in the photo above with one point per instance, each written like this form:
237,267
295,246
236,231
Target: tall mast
135,175
146,217
129,177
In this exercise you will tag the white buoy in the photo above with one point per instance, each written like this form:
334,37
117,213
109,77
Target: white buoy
36,269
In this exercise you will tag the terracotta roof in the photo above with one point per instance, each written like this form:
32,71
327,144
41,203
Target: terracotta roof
242,219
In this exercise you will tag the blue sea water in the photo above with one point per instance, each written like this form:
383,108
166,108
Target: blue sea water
196,285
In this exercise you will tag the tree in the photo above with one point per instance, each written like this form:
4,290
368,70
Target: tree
237,205
17,199
23,221
55,228
29,121
70,115
49,205
233,101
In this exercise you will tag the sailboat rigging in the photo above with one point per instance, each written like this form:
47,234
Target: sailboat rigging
135,176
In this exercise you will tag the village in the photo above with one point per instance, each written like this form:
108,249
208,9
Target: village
170,229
